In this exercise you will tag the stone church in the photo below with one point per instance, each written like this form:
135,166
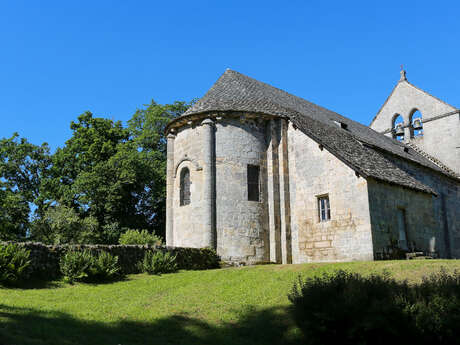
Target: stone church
262,175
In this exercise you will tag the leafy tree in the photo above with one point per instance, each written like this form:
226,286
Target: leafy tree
105,179
22,168
147,127
61,224
14,215
95,172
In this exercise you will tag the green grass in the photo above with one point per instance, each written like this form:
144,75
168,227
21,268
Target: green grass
229,306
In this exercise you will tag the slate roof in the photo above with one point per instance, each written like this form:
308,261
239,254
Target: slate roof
358,146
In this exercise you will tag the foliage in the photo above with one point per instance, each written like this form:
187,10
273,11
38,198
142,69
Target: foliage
75,265
349,308
139,237
158,262
197,259
14,262
14,215
104,267
434,307
61,224
90,174
23,166
106,179
147,128
82,265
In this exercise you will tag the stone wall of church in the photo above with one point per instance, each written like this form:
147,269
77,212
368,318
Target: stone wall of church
422,230
242,225
445,206
188,220
316,172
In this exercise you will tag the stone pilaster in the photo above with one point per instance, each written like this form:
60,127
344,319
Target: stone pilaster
170,190
273,192
285,204
209,200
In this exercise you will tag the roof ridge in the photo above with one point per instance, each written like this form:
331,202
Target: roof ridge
284,91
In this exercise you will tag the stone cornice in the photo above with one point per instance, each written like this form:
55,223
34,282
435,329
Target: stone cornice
199,119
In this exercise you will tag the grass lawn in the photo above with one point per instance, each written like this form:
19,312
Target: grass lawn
246,305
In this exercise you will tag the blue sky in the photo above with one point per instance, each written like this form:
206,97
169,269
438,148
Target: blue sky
61,58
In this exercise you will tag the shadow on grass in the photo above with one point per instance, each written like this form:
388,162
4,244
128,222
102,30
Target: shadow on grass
33,284
30,326
40,283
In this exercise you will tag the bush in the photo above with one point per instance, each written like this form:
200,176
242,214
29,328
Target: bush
158,263
139,237
84,266
104,267
434,306
197,259
348,308
75,265
14,262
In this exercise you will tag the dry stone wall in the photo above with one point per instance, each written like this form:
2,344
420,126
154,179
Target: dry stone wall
45,258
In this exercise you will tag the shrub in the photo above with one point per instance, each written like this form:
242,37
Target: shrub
434,306
197,259
348,308
158,263
14,262
104,267
75,265
139,237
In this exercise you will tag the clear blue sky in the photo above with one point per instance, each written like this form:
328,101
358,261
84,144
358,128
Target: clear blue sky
60,58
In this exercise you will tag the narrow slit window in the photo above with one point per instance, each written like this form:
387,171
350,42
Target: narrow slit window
253,183
324,208
184,187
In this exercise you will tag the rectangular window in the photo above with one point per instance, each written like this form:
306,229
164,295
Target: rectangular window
253,183
324,208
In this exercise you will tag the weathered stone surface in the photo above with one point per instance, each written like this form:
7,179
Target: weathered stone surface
441,122
315,172
304,152
44,259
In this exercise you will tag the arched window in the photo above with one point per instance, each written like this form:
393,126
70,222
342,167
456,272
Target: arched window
416,124
184,187
397,126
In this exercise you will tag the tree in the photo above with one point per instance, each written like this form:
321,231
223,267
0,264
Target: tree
90,174
22,168
61,224
147,127
14,215
113,174
105,179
